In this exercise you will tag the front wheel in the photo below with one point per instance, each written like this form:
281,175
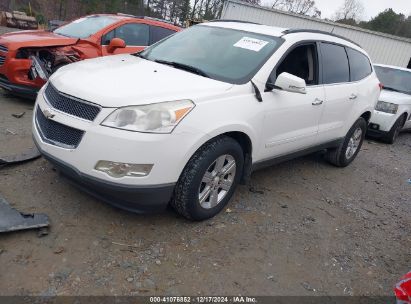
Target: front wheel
209,179
346,152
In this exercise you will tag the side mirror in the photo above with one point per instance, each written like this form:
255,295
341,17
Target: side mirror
290,83
116,43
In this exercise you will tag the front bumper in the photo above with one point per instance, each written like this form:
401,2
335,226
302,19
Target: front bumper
168,153
383,121
136,199
17,89
374,131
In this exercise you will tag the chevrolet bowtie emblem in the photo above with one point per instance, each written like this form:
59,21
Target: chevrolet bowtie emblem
48,113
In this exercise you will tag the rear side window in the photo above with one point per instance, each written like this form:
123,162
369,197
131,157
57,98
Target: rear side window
335,64
158,33
360,66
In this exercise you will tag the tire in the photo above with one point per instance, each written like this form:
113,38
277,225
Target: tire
344,154
394,131
199,176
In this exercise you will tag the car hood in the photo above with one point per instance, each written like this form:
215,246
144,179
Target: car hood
395,97
123,80
15,40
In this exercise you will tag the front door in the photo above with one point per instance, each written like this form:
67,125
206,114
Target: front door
291,119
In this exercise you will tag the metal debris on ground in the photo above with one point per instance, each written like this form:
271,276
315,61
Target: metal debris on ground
27,155
255,190
10,132
18,115
13,220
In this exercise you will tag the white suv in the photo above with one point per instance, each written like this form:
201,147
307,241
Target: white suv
393,110
187,119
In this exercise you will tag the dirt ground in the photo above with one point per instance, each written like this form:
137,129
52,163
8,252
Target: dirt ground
301,228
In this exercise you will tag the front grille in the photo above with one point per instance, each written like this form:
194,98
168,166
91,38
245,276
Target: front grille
56,133
3,48
70,105
2,59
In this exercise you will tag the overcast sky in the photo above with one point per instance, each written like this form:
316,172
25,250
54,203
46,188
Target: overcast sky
372,7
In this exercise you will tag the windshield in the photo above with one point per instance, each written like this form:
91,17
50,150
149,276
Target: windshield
85,27
394,79
223,54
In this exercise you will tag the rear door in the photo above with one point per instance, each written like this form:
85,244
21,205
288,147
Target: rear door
367,86
158,33
135,35
340,93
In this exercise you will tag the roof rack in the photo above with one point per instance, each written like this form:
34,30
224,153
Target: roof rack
232,20
145,17
292,31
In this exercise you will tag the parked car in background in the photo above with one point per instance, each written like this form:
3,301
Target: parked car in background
393,111
83,38
190,117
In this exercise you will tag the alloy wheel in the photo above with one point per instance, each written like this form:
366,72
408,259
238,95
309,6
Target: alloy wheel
217,181
353,143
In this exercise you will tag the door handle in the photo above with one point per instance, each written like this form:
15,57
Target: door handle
317,102
353,96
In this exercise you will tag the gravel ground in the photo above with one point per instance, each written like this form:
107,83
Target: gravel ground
300,228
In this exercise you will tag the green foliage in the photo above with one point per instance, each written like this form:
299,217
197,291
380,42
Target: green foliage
185,10
40,19
387,21
349,21
391,23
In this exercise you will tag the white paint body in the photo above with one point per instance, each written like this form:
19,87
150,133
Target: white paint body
285,122
387,120
381,47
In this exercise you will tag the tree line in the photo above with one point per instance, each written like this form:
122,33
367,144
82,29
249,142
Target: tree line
177,11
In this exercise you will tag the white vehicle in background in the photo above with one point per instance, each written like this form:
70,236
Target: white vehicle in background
186,120
393,111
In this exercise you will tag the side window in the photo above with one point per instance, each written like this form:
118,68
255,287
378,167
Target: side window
335,63
157,33
360,66
105,40
301,62
132,33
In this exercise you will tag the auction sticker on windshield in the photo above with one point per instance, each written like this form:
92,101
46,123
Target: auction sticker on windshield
251,44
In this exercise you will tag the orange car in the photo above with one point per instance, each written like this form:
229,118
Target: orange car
27,58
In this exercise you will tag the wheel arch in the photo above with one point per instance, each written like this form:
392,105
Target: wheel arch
243,137
246,144
405,115
367,116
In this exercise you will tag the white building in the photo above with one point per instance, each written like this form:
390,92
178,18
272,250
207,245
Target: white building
383,48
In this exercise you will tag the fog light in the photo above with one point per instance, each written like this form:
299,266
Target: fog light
117,170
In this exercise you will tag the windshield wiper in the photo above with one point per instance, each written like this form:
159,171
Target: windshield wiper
184,67
64,35
390,89
139,55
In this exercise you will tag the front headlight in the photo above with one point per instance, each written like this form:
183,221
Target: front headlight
386,107
154,118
